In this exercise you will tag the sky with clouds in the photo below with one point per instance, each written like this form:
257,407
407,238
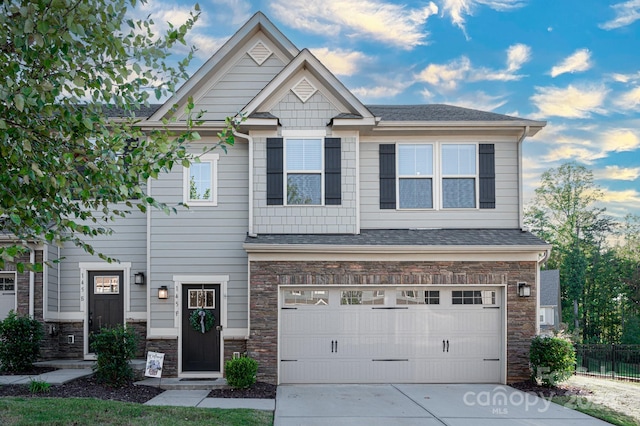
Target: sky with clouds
572,63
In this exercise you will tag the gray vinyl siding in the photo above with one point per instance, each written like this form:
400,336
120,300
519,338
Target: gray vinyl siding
341,219
505,215
52,279
127,243
238,87
202,240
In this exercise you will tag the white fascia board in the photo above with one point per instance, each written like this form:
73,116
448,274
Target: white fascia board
182,125
264,123
316,248
534,126
354,122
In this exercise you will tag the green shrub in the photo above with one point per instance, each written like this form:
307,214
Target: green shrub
553,359
241,372
20,338
114,348
39,386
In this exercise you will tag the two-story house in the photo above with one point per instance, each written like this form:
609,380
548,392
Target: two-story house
336,242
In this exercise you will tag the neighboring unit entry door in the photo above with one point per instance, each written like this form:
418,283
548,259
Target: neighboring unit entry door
106,300
201,334
7,294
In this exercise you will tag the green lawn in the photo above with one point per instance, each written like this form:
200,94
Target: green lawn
87,411
595,410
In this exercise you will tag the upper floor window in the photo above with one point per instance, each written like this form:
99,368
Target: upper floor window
304,171
437,176
415,176
200,181
459,176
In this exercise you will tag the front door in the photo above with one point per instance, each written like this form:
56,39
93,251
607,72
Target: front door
106,300
7,294
200,350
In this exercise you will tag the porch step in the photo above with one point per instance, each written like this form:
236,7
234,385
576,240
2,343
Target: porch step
174,383
67,364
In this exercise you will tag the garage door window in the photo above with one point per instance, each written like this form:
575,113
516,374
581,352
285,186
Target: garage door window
366,297
306,297
417,297
473,297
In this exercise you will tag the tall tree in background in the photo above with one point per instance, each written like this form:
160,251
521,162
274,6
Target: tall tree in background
564,214
65,166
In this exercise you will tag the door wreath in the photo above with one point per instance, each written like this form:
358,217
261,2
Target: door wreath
202,320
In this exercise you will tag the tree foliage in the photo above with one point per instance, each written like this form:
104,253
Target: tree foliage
599,281
66,65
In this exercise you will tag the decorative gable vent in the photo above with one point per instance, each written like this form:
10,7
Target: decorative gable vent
304,89
259,52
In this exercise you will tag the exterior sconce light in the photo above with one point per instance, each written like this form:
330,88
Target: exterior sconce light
163,292
524,290
138,278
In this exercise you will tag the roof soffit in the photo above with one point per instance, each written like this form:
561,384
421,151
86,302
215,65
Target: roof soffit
259,27
305,65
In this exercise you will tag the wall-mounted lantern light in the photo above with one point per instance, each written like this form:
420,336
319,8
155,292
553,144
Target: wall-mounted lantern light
524,290
138,278
163,292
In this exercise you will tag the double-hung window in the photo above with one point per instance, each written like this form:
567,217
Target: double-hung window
415,176
304,171
200,181
459,175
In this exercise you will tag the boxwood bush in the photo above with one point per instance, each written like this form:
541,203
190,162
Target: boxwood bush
114,348
20,338
241,372
553,359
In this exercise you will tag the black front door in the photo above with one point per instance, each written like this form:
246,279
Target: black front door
106,300
200,351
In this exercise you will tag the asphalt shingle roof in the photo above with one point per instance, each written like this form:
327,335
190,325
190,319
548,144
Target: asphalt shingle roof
435,112
549,287
408,237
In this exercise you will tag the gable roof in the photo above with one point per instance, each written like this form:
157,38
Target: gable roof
309,63
436,112
258,22
549,287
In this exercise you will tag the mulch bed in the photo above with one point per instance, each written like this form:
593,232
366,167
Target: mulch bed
258,390
549,391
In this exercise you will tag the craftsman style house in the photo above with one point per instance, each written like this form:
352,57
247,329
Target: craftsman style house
336,242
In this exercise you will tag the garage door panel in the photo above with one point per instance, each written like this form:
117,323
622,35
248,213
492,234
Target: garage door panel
419,343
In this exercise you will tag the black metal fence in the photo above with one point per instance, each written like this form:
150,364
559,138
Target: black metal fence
613,361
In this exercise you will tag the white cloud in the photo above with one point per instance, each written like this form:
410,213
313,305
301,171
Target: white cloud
626,196
570,102
629,100
456,9
626,14
384,89
573,152
388,23
479,100
620,140
625,78
340,61
580,60
618,173
446,76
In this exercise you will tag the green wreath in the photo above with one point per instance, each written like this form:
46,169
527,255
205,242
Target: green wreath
196,320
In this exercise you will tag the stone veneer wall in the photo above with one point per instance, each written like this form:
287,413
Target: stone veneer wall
140,329
169,347
266,276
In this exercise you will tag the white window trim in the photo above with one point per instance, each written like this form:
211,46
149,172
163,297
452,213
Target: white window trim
476,177
286,171
437,176
432,176
205,158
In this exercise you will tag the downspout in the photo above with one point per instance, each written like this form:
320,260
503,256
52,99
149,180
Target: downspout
58,276
32,281
520,180
250,140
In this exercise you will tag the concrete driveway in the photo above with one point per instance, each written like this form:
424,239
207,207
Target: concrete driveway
425,405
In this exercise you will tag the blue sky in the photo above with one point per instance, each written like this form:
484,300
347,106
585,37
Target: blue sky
573,63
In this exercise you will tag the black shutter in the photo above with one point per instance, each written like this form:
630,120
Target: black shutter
387,176
274,172
332,171
487,176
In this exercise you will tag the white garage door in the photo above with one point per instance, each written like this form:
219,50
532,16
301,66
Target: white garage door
391,335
